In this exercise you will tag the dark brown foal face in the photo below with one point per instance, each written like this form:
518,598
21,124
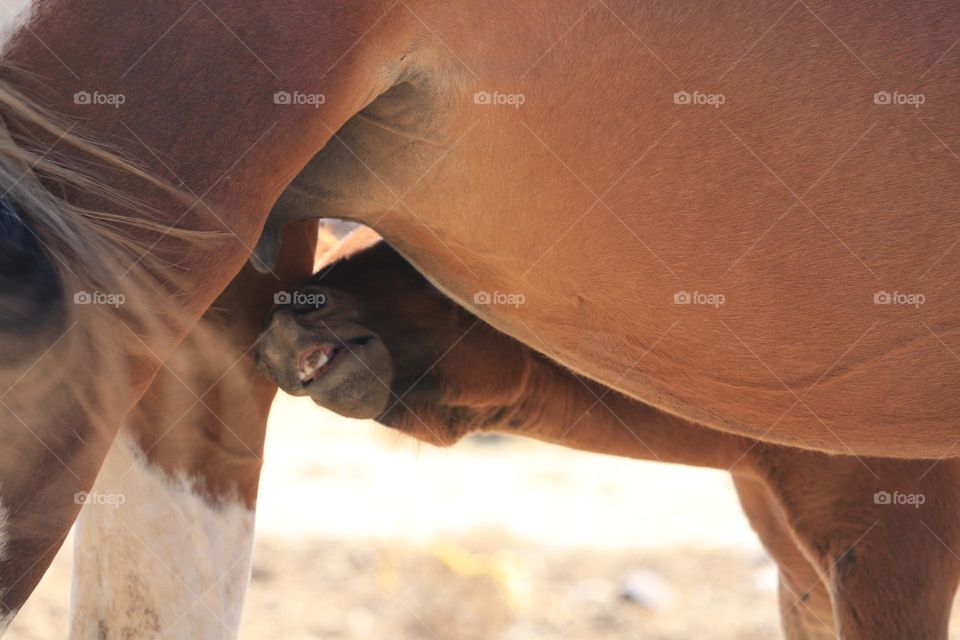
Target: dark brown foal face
358,335
371,338
318,345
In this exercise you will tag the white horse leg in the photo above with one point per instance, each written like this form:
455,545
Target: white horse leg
156,558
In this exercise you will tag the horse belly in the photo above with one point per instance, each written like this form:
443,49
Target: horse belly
779,263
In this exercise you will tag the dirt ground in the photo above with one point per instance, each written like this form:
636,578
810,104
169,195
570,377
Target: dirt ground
363,533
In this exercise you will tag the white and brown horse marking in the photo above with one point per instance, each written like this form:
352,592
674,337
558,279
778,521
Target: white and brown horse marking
163,547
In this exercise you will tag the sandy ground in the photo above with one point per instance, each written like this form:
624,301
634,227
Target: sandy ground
363,533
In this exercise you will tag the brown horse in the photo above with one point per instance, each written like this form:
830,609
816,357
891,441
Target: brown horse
740,215
863,546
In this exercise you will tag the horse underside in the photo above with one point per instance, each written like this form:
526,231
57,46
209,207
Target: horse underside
852,537
782,266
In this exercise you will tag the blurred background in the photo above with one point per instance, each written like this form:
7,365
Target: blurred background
364,533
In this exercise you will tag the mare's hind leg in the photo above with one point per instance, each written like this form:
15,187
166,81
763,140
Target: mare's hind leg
882,535
163,547
805,609
899,580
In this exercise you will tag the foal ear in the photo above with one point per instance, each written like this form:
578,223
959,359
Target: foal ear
31,295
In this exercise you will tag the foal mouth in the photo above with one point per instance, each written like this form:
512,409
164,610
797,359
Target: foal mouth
314,361
317,359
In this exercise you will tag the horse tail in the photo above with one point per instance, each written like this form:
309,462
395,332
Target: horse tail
86,281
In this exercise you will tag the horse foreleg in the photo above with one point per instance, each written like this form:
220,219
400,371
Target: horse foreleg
156,555
163,545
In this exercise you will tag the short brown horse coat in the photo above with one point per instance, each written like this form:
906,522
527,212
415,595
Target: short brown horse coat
599,198
816,514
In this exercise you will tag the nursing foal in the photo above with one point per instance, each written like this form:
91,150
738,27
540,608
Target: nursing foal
368,337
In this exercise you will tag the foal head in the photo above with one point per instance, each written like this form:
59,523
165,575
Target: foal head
369,337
